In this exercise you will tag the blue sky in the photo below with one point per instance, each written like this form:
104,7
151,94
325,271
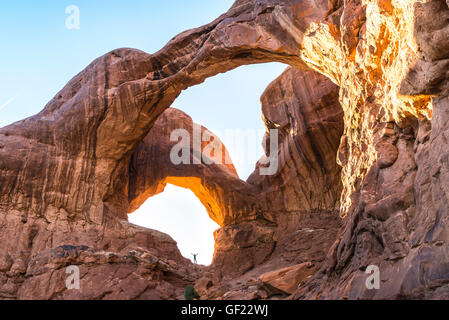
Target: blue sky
40,55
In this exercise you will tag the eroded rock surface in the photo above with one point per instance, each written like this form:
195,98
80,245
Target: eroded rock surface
376,104
398,214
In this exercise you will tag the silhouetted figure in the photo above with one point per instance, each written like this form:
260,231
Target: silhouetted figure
195,261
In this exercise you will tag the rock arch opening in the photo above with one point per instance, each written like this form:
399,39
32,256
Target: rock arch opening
228,104
256,215
179,213
239,120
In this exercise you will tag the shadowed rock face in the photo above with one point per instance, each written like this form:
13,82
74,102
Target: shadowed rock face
70,174
298,206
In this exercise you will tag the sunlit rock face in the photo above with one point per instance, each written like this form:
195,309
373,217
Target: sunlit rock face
367,48
376,104
397,209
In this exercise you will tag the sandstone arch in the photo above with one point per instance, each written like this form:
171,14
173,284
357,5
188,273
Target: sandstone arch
86,135
226,198
65,172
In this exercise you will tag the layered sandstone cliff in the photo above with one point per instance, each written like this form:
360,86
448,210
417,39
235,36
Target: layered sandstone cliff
367,90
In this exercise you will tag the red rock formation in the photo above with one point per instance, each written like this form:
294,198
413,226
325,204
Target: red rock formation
67,179
288,279
214,181
298,205
260,216
398,214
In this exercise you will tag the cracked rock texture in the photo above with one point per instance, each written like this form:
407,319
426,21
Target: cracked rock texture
362,116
